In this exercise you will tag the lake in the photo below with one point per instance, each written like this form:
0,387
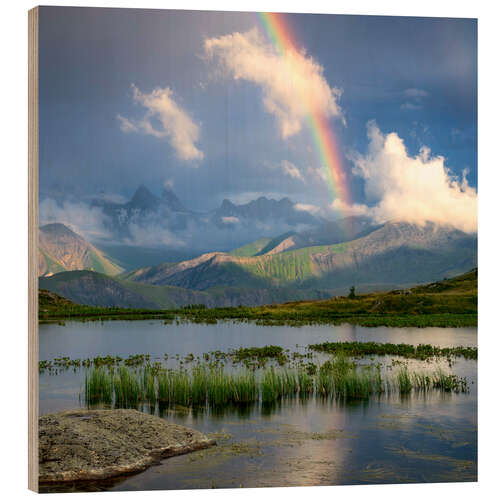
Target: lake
423,437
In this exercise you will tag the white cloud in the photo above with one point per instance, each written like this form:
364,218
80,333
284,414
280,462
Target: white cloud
175,124
292,84
88,222
152,235
291,170
126,125
304,207
415,93
317,173
230,220
412,189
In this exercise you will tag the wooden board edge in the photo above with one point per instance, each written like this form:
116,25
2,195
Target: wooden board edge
33,249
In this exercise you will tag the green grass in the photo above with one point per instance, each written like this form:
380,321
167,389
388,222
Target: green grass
99,386
448,303
127,388
213,387
404,381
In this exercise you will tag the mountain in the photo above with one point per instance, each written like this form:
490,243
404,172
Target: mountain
131,256
61,249
147,220
327,233
170,199
143,211
95,289
251,249
392,255
263,210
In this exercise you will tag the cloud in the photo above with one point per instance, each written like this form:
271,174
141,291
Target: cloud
230,220
126,125
168,183
111,197
293,84
415,97
171,122
304,207
318,173
153,235
414,189
415,93
410,106
291,170
89,222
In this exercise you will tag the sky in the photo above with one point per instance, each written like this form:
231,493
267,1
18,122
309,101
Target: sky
207,104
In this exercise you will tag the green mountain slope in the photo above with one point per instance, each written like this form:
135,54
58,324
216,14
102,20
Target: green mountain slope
61,249
394,255
251,249
95,289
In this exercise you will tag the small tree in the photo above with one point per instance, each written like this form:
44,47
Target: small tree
352,292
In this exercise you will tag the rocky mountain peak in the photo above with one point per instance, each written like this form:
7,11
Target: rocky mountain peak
171,200
144,199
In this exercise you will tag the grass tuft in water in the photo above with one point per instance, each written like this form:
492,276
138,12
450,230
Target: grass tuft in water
212,386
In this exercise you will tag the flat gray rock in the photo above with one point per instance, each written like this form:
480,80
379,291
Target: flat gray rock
79,445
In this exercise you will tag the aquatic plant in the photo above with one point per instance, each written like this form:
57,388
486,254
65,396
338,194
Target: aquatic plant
210,384
127,388
98,386
421,351
404,382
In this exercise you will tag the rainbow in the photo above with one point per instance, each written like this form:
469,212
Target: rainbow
327,150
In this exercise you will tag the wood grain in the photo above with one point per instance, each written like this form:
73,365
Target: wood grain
33,249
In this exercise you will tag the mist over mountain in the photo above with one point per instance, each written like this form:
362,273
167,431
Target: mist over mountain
164,221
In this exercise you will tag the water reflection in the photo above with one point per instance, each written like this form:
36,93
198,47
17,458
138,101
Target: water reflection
424,437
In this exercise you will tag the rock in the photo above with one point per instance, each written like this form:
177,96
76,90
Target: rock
78,445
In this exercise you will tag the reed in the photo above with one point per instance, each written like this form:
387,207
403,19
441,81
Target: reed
403,381
245,387
148,384
98,386
127,388
212,386
271,387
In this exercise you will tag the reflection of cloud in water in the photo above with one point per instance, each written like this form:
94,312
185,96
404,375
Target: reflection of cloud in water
313,445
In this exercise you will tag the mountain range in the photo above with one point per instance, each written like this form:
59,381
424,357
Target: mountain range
146,216
393,254
318,262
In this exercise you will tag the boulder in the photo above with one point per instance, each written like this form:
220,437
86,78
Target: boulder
79,445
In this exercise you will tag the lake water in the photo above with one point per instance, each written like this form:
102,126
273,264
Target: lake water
428,437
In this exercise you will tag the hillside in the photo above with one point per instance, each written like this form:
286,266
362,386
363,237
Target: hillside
450,302
390,256
61,249
251,249
95,289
